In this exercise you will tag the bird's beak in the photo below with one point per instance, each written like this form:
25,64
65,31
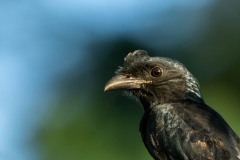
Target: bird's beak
121,82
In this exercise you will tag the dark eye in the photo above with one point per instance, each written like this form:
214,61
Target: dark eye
156,71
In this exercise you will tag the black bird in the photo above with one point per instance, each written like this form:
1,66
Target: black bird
177,124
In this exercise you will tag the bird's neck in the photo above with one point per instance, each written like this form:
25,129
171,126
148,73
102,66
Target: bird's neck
148,100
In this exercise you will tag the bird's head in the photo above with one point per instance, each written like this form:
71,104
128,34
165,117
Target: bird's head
154,80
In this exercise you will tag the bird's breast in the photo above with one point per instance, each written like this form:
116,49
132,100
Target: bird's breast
166,121
160,130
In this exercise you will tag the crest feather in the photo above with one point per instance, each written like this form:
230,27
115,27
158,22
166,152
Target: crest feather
136,55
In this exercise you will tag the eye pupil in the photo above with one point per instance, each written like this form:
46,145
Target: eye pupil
156,72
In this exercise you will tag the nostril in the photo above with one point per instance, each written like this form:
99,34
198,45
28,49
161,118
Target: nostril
128,76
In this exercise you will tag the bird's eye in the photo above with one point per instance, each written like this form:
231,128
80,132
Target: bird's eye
156,71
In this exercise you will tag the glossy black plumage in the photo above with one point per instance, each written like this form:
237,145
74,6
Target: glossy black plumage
177,124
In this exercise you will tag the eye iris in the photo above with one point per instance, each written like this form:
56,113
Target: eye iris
156,72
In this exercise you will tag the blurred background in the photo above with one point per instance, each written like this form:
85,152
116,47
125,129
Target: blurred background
56,56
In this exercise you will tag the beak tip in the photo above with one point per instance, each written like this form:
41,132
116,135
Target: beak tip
107,87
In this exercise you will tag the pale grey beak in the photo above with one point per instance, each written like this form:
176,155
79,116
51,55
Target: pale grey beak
121,82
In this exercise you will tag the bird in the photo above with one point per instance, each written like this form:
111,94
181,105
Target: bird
177,124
